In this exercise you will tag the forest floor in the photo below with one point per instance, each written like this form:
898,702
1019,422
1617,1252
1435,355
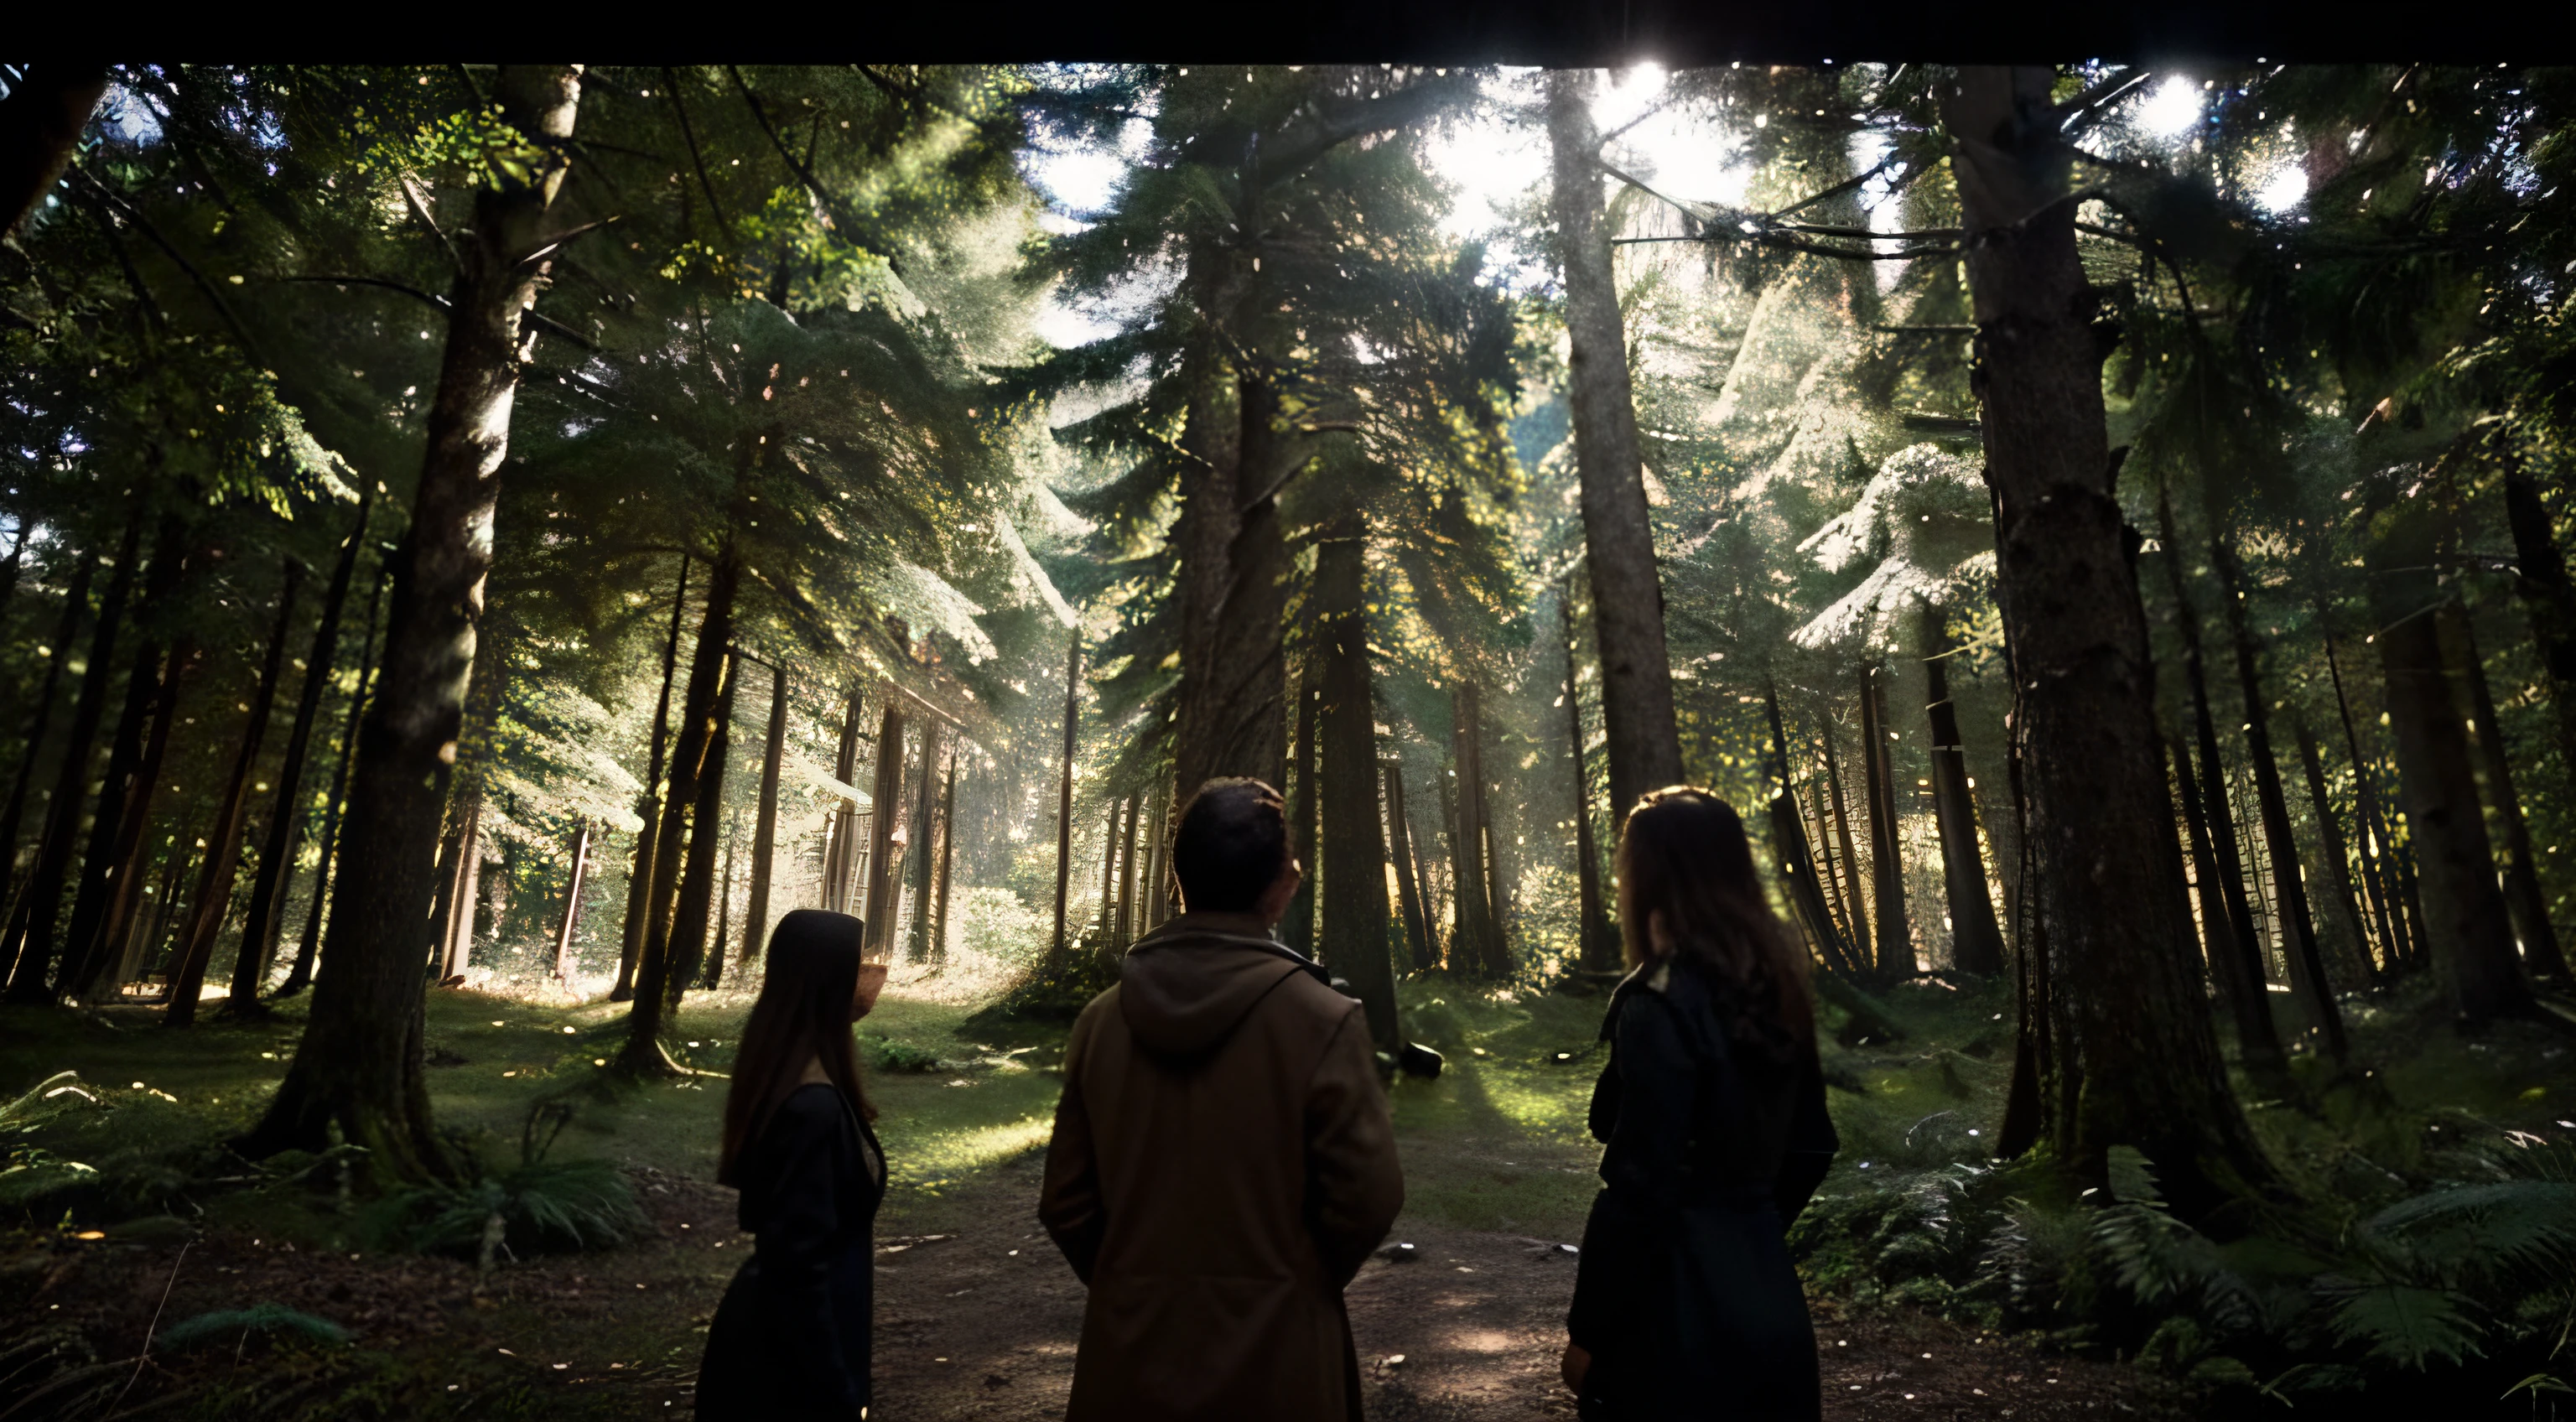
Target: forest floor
977,1314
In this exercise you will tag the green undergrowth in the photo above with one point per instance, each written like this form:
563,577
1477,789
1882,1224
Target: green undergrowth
2427,1246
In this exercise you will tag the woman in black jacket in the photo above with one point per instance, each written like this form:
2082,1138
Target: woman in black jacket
1711,1112
791,1339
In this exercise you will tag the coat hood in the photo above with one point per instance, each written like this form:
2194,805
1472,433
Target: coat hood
1183,989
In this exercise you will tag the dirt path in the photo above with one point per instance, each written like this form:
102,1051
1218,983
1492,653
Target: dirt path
977,1322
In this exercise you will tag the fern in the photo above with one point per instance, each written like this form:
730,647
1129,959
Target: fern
2405,1324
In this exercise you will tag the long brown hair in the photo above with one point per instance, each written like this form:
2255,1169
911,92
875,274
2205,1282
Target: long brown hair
802,1015
1683,856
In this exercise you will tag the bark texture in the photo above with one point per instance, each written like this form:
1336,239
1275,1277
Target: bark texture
1475,938
358,1064
1644,746
2136,1062
764,833
1356,921
648,806
1976,940
692,751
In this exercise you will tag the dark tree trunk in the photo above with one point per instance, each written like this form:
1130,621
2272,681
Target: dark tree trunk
648,806
2401,919
13,816
2350,943
925,827
576,880
885,796
44,891
1408,881
40,127
1596,942
2470,930
456,925
1158,875
277,855
1119,814
948,864
309,947
1789,846
1828,873
2239,970
1644,745
692,915
692,751
121,794
1354,858
359,1061
105,971
764,834
2217,945
1862,934
1476,940
1976,941
2550,596
1297,930
2138,1064
1127,875
223,846
2523,899
714,976
1058,951
2307,967
1892,954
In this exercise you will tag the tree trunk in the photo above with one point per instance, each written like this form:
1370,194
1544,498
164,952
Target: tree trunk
692,750
2523,899
1127,875
456,923
2550,596
2217,934
885,795
2239,970
309,946
1596,942
694,906
104,973
842,853
1789,844
2307,967
2470,928
13,817
1234,669
764,834
2140,1065
575,881
1476,940
359,1061
120,793
40,129
1297,930
2400,917
1158,871
1354,856
925,828
1976,941
1645,748
948,864
1118,814
1863,934
223,844
714,977
2351,944
1893,951
1058,951
1828,872
277,854
1408,883
44,890
648,806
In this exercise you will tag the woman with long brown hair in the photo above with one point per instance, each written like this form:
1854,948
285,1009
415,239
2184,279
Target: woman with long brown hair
1711,1114
792,1337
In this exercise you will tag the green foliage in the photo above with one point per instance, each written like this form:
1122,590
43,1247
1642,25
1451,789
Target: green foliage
537,1208
893,1054
224,1325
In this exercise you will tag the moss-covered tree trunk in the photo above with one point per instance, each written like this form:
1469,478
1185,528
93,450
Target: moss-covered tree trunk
2137,1063
358,1064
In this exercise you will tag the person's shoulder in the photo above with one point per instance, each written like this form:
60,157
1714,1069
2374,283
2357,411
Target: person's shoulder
1102,1007
1311,1002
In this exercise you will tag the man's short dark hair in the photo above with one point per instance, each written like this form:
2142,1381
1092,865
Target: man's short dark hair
1231,845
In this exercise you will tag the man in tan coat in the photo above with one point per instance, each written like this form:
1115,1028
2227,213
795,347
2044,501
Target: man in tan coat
1222,1162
